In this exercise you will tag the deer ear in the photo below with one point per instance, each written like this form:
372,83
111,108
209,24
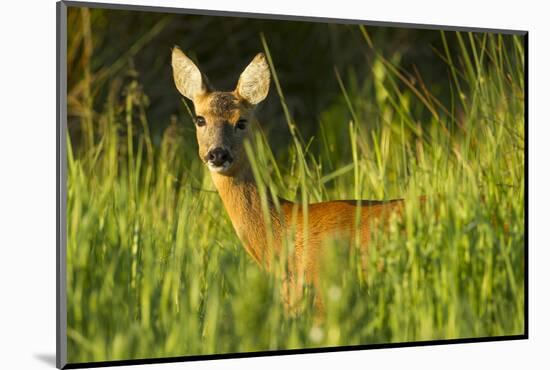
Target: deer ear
253,84
187,76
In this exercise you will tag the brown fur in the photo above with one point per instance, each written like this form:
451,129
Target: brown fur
237,188
326,220
223,104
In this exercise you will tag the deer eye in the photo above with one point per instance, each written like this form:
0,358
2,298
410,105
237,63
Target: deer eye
200,121
241,124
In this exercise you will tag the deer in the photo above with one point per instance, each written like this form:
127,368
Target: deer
223,120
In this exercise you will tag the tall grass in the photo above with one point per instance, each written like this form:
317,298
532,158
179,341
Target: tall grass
155,269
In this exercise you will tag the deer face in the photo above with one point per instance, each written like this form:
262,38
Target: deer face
222,118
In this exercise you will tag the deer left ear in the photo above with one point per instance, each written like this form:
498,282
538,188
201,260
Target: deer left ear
253,84
187,76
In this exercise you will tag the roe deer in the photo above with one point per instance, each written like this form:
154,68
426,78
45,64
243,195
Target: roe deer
222,124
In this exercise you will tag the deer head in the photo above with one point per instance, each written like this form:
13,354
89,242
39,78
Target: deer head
222,118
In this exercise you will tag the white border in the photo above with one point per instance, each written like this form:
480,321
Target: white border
27,182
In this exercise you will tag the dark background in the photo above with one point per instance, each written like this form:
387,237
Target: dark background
137,44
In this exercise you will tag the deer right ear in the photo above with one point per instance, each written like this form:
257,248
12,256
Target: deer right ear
253,84
187,76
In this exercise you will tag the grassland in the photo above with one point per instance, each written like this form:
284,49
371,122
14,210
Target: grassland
155,269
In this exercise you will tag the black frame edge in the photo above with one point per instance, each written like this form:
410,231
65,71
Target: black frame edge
287,17
61,164
526,179
61,199
222,356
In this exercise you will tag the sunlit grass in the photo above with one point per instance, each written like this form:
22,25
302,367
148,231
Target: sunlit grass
155,269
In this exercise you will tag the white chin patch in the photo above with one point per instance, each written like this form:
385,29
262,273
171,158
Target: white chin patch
224,167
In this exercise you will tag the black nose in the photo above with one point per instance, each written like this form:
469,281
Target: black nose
218,156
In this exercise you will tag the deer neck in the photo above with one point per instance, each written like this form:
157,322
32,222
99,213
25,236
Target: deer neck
242,202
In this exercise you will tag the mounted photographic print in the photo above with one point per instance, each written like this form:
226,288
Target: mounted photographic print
235,184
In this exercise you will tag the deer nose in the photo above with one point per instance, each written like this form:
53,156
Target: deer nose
218,156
